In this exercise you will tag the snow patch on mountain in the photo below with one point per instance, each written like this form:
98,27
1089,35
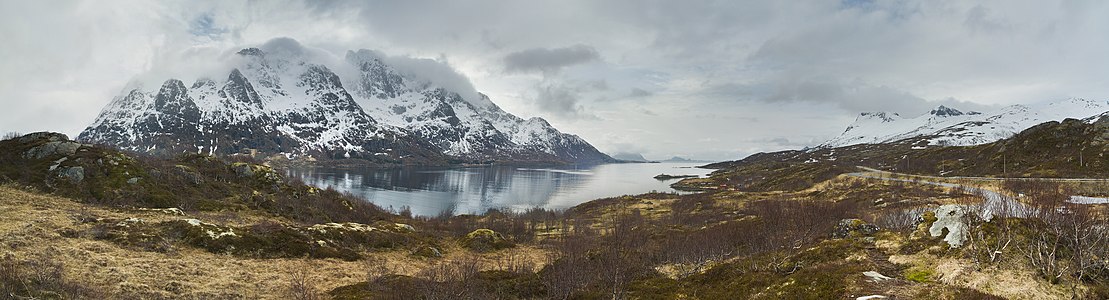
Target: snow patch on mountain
950,127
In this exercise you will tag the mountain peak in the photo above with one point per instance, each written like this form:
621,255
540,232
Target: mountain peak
882,116
944,111
251,52
940,126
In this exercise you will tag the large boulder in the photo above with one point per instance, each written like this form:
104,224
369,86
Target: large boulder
950,218
63,148
74,174
48,136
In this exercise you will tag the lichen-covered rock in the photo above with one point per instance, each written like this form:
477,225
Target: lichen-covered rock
405,227
48,136
951,218
485,240
262,173
74,174
243,169
427,251
846,227
64,148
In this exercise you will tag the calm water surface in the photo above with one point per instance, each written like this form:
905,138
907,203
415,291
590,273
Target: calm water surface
430,192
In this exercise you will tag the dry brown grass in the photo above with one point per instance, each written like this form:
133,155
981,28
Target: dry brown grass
32,223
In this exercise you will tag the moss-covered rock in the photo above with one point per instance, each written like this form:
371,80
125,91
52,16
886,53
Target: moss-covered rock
485,240
853,227
427,251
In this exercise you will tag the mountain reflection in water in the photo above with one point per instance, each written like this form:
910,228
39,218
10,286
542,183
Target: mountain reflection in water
432,191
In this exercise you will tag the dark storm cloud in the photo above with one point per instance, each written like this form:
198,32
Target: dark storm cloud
549,60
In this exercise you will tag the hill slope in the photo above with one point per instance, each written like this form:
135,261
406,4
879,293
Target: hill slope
1072,149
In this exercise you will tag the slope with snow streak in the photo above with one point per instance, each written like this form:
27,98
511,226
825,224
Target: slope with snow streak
274,104
473,128
949,127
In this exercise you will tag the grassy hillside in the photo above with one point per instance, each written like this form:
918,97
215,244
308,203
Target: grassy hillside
200,227
1068,149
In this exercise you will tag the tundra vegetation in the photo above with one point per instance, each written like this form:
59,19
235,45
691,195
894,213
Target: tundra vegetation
84,221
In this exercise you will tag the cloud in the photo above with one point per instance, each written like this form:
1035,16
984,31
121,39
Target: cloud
561,100
437,71
857,96
549,60
638,92
749,64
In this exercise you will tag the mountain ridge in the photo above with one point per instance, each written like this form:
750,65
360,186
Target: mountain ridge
950,127
279,99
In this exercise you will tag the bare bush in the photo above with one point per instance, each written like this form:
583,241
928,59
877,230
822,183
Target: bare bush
899,220
41,276
301,288
989,238
449,280
377,268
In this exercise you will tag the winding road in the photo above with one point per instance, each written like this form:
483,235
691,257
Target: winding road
994,202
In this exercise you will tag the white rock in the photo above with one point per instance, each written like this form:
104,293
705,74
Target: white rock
875,276
950,217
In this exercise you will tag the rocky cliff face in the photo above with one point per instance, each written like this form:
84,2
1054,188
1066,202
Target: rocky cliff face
280,99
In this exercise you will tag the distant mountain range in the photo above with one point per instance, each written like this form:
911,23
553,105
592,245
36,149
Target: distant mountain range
281,99
946,126
636,157
631,157
682,159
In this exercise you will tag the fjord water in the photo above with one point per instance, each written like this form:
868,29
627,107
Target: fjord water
433,191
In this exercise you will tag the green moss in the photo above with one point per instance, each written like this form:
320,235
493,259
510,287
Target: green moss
919,274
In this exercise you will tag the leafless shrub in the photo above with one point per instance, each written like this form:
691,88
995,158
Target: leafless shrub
514,263
378,268
899,220
10,135
990,232
449,280
301,288
40,276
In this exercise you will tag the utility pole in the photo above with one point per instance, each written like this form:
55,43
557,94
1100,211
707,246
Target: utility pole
1081,162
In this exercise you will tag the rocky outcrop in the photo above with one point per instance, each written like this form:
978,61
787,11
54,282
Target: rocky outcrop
486,240
849,227
950,224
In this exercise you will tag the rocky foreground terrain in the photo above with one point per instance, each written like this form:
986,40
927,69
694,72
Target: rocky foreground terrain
81,221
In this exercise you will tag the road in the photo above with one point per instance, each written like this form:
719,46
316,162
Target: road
994,202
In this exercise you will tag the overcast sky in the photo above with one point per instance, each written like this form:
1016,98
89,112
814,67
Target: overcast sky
702,79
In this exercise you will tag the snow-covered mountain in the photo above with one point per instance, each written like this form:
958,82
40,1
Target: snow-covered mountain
950,127
281,98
